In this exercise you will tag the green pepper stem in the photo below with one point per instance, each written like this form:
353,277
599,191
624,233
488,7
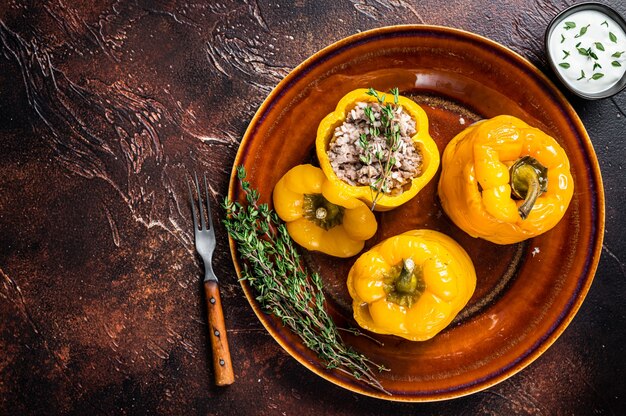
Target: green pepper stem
407,282
529,179
407,286
531,195
321,212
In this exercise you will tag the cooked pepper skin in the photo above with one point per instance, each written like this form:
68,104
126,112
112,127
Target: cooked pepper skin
425,144
448,274
474,186
343,240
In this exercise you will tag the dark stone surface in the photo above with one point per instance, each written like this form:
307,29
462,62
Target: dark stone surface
103,108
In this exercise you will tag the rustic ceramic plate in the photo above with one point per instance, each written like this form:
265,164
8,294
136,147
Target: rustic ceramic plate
527,293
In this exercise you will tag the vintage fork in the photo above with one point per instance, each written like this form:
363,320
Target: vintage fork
205,245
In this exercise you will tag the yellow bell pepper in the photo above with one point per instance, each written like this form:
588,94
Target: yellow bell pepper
424,143
411,285
505,181
318,217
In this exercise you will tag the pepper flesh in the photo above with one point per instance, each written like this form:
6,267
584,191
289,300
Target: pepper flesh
422,140
475,189
446,282
343,238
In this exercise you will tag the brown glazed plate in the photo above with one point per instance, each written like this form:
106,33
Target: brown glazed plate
527,293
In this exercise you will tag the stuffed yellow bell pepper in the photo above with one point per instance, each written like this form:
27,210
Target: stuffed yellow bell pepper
374,194
411,285
318,216
505,181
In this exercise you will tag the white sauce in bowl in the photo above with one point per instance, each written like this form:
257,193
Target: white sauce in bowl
588,49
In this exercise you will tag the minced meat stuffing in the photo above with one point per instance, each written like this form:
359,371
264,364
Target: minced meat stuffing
358,155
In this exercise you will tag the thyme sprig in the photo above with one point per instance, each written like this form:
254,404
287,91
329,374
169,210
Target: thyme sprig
390,131
284,288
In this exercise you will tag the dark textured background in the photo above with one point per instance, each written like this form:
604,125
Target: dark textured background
104,105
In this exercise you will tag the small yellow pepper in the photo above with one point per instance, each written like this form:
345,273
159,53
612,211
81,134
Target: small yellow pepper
318,216
505,181
411,285
424,144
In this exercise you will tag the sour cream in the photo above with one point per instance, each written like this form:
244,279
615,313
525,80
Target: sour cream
588,49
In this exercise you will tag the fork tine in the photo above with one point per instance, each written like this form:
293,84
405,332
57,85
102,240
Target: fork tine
193,207
208,202
200,204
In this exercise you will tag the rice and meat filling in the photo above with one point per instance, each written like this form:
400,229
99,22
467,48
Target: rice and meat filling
359,150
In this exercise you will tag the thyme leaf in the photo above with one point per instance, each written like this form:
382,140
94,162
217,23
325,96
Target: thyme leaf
616,63
363,142
612,37
564,65
396,95
597,75
285,288
583,30
366,158
569,25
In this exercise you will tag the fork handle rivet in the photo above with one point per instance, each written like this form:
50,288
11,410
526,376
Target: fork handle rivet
212,300
217,333
222,362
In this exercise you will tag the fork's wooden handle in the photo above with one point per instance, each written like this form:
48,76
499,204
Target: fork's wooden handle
222,363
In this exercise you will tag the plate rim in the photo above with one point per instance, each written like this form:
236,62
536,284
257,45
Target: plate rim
584,281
